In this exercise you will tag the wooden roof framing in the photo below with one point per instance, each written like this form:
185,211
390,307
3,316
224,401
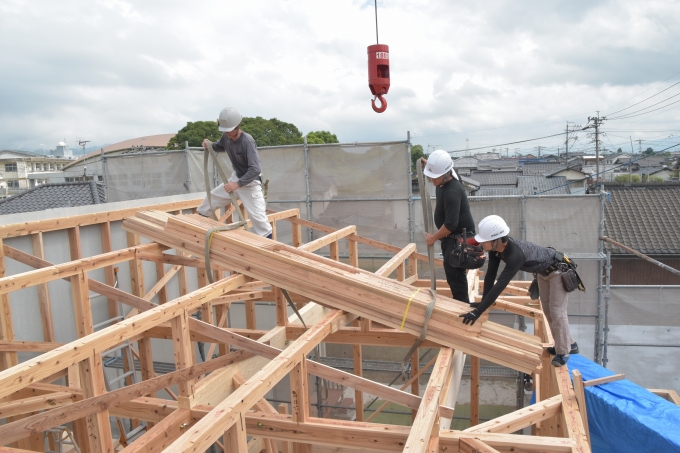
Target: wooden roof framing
222,400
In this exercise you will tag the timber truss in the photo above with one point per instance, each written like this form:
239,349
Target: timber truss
220,402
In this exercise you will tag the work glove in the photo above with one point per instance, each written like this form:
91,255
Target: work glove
470,317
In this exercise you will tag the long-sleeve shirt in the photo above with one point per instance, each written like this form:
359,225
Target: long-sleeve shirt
243,155
453,209
517,255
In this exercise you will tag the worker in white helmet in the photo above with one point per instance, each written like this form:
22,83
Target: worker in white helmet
452,216
544,262
245,181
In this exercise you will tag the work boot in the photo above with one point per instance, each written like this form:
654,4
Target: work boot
560,360
574,349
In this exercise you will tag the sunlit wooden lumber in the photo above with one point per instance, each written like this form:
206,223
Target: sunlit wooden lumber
521,418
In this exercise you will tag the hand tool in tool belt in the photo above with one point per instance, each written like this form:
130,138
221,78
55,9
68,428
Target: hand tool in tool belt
466,253
570,278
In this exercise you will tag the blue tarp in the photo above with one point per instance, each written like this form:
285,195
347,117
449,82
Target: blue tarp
624,417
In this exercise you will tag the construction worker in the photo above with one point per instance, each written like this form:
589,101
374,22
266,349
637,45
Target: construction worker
529,257
451,216
245,180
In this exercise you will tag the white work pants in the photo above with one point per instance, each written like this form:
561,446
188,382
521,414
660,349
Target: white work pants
253,201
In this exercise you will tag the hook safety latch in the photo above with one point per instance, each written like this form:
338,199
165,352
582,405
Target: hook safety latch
383,103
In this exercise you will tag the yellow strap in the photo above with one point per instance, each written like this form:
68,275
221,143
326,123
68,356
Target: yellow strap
408,305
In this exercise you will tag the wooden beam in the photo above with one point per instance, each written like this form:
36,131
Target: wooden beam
54,272
328,239
396,261
8,359
449,393
475,446
43,291
163,433
235,439
521,418
573,425
230,411
603,380
24,228
38,423
93,384
579,393
423,427
36,403
38,368
358,394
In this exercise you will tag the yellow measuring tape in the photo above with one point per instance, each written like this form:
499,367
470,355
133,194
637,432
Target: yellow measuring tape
408,305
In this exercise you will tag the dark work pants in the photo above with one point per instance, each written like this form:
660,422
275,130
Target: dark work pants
455,276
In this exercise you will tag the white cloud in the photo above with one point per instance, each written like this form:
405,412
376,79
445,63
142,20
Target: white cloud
492,72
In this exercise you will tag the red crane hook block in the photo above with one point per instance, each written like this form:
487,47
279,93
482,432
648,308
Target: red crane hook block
379,74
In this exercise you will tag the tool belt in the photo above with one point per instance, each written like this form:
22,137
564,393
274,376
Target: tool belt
466,253
570,278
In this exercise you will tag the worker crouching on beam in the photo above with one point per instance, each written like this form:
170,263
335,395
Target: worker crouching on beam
245,181
452,217
546,263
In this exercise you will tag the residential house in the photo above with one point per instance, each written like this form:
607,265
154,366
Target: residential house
53,196
644,217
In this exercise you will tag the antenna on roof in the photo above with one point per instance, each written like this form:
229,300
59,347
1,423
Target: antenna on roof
83,143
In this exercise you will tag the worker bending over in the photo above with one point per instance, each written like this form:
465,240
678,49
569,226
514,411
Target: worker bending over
245,181
452,216
529,257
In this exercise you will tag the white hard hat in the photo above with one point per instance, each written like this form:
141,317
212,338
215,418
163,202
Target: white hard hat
490,228
439,163
229,119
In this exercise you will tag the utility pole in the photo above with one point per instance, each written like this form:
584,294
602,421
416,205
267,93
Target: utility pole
539,150
640,145
630,161
597,122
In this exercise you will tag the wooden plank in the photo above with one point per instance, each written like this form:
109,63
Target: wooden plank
449,393
286,447
229,411
415,384
603,380
474,391
183,351
263,406
235,439
24,228
425,425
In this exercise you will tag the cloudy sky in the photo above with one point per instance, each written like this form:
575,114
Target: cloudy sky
462,73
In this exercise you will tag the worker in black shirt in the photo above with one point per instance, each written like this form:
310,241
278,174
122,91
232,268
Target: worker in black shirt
529,257
451,216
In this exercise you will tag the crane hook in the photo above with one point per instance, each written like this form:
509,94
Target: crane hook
383,103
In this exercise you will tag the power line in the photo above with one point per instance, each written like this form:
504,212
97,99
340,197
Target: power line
644,113
503,144
613,113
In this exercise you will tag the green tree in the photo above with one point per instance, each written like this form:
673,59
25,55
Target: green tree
648,152
416,154
624,178
321,137
194,133
619,151
271,132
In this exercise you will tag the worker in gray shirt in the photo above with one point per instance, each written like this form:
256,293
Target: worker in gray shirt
245,181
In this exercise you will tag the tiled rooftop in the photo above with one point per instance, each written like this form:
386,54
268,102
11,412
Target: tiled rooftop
496,178
645,217
540,185
541,168
51,196
496,191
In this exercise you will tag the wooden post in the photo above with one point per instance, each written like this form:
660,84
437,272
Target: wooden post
183,355
297,234
358,394
7,359
281,308
98,425
579,392
235,439
43,291
286,446
109,274
299,397
415,385
474,390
